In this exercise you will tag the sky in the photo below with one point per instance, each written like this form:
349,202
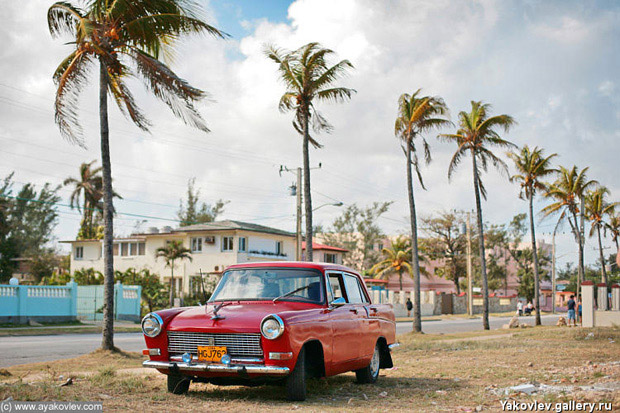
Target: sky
552,65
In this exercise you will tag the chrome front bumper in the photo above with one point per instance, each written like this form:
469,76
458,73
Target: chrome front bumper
217,368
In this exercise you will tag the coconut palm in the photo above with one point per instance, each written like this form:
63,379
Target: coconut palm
476,134
568,191
613,225
397,260
87,197
173,251
532,166
125,38
596,208
309,78
417,114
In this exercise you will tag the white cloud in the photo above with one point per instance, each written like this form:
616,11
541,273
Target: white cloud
461,51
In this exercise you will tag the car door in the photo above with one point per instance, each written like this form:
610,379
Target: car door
346,324
356,296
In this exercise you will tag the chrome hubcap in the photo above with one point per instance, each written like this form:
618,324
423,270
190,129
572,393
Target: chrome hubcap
374,363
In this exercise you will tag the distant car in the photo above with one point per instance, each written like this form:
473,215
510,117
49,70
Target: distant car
278,321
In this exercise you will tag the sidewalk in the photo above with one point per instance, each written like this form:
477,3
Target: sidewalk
85,327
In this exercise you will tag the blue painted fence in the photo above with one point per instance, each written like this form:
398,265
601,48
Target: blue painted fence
20,303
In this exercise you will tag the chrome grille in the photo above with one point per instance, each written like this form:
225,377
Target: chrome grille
180,342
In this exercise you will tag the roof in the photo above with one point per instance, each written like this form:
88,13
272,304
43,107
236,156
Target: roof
317,246
228,225
293,264
134,238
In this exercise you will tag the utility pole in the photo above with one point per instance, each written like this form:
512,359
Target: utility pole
553,287
470,290
298,234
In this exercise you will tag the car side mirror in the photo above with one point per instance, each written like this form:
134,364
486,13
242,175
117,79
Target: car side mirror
338,302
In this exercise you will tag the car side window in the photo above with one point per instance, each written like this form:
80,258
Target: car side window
353,289
334,281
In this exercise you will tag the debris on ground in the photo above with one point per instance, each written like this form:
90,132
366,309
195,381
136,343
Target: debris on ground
561,321
514,323
531,388
5,373
69,382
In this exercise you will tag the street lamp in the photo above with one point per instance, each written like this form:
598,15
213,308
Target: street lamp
300,215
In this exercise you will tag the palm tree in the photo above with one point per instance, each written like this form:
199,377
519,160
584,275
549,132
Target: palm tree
417,114
596,207
397,260
476,133
173,251
119,35
569,191
88,186
84,188
531,166
308,78
613,225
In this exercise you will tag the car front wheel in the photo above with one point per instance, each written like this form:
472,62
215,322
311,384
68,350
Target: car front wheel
178,384
296,381
370,373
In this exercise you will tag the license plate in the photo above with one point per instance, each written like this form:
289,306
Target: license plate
211,353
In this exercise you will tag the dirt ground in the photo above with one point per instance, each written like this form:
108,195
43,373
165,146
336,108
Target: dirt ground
460,372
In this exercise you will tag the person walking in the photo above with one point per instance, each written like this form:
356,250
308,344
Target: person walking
409,305
519,308
571,310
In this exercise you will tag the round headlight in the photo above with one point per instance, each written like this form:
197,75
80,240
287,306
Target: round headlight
272,327
151,325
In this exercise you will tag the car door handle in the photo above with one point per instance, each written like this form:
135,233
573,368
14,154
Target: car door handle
353,310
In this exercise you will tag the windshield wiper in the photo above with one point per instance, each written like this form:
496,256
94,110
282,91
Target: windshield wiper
291,292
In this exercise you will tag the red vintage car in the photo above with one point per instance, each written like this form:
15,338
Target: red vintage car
274,321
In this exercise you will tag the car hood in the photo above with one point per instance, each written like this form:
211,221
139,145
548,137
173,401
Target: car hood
237,317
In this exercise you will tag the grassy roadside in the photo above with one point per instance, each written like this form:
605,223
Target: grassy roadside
456,372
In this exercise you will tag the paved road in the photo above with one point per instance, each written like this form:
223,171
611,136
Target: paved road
32,349
462,325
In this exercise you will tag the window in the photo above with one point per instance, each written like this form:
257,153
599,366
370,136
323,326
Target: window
334,282
243,244
330,258
279,248
124,249
197,244
141,248
79,253
115,249
354,292
133,248
128,249
227,243
379,246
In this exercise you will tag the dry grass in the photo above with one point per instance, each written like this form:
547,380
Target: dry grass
438,373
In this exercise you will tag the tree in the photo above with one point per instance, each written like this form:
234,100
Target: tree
170,253
568,189
356,230
532,166
613,225
308,77
396,260
596,208
195,213
446,244
119,35
477,132
416,115
154,294
86,197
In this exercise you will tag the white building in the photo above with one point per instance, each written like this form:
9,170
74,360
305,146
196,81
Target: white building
214,246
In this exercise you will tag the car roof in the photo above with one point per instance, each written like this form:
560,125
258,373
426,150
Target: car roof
322,266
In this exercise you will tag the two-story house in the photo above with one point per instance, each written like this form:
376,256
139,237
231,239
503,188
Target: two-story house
214,246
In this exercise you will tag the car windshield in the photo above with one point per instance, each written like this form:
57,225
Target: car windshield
267,284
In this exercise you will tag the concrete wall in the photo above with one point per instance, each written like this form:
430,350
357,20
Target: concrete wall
602,315
21,303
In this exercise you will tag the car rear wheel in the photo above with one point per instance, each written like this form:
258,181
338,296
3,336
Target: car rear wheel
296,381
370,373
178,384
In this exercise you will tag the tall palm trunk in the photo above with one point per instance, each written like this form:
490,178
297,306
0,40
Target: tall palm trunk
107,342
602,257
171,283
307,196
535,256
417,313
483,263
580,268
